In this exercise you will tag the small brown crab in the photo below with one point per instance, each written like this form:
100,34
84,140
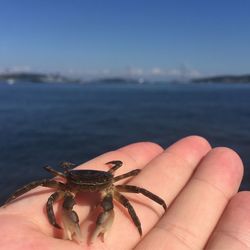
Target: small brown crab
76,181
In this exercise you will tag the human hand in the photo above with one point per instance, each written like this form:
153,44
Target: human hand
198,183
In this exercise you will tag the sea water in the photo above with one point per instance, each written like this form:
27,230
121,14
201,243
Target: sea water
48,123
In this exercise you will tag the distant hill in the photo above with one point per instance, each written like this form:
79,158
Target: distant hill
35,78
224,79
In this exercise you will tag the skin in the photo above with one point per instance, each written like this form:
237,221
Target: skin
199,184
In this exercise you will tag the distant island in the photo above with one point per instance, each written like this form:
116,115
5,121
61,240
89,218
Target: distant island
12,78
223,79
24,77
36,78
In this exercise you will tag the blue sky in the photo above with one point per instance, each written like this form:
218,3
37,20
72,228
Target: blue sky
134,36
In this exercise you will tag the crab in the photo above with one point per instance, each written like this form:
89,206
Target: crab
76,181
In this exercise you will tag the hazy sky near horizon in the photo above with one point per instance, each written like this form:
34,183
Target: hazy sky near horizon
157,36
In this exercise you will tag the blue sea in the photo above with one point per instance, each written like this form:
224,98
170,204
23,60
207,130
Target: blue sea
48,123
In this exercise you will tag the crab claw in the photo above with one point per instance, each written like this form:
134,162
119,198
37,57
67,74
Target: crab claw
71,225
70,218
103,224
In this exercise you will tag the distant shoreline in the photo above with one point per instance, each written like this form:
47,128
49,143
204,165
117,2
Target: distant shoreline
224,79
12,78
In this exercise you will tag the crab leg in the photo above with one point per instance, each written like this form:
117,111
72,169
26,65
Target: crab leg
34,184
105,219
125,202
70,218
54,172
129,174
49,207
145,192
115,165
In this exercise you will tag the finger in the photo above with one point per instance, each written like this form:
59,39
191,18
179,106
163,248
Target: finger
134,156
165,176
173,168
233,230
194,214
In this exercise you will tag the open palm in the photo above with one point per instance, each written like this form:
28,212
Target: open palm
198,183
